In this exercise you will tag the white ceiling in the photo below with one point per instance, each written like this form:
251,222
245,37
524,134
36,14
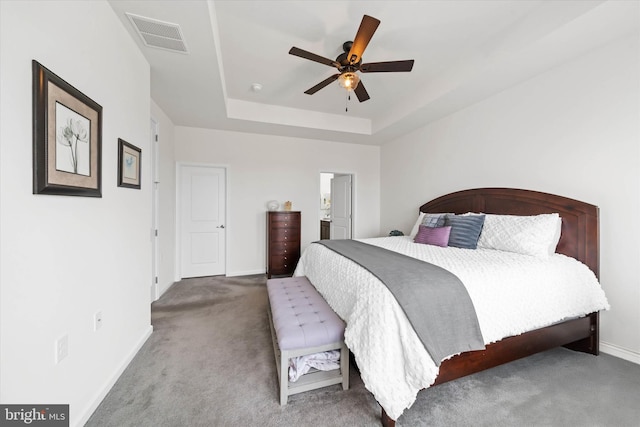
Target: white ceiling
464,51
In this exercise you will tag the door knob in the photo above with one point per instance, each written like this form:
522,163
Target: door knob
220,226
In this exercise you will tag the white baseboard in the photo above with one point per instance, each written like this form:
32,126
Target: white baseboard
228,274
85,414
622,353
245,273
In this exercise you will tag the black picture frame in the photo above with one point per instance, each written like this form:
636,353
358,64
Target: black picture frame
67,138
129,165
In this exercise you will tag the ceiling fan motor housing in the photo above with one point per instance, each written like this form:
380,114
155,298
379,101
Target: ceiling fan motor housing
344,62
343,58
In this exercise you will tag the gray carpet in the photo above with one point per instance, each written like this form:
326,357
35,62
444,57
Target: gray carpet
209,362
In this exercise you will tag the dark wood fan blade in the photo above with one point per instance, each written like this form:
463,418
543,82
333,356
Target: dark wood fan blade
361,92
322,84
313,57
368,26
387,67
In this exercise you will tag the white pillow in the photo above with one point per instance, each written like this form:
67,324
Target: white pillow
414,230
536,235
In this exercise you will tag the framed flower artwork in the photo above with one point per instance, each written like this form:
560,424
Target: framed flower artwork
67,138
129,162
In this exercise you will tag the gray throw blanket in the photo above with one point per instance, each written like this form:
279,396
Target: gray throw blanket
434,300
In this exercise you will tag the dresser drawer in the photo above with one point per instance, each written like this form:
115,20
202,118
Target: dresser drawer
283,262
284,217
292,247
285,235
279,225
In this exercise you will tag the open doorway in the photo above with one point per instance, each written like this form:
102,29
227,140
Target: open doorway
335,205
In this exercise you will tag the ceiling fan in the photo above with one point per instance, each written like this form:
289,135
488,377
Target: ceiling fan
350,62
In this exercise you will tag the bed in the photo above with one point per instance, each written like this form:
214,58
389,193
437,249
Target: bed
394,350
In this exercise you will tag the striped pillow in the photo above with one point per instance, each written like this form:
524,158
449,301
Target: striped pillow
465,230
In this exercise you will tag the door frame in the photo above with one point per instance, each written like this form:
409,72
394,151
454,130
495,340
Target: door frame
155,208
228,225
353,198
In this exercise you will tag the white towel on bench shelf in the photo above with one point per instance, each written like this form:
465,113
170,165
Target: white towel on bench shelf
325,361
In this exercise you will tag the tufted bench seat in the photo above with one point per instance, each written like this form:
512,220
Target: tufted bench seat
302,323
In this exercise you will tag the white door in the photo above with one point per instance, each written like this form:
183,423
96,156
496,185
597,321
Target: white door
202,221
341,207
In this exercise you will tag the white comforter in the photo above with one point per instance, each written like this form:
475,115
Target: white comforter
511,293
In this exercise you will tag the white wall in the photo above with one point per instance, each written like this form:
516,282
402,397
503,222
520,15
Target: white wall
64,258
263,168
571,131
167,199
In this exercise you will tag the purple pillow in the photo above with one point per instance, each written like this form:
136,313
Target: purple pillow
437,236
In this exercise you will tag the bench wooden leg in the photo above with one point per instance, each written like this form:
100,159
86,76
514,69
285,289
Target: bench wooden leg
344,366
284,377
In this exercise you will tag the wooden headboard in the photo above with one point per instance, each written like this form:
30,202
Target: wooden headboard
579,239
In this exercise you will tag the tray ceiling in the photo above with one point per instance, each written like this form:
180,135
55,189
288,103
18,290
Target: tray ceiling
464,51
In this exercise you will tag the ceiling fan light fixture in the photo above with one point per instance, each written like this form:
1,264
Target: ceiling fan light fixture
349,80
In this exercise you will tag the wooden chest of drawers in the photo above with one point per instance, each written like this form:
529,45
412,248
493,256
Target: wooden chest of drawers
283,242
325,229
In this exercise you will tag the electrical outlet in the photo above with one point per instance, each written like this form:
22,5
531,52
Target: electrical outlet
62,348
97,320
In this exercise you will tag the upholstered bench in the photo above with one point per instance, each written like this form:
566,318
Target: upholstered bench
302,323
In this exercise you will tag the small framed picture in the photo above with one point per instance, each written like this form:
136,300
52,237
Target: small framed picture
67,138
129,162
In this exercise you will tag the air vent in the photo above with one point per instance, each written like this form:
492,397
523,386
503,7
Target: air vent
158,34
